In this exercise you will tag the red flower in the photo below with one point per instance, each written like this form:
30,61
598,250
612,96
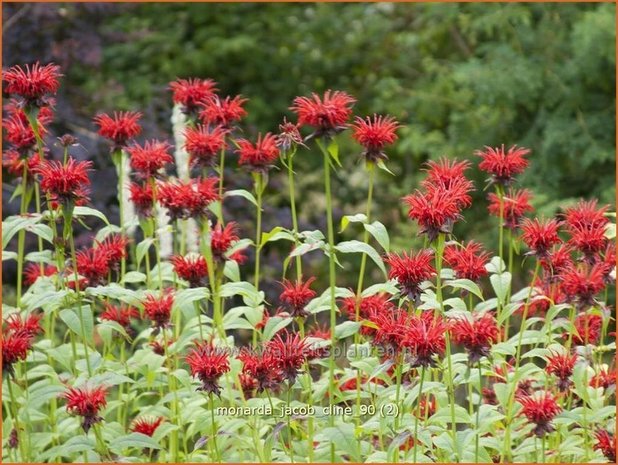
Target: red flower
86,402
515,204
540,410
32,272
192,268
468,261
445,171
550,294
146,425
318,332
14,163
203,144
585,214
115,247
604,378
410,271
582,283
188,199
476,334
149,159
590,240
208,363
33,83
31,324
561,365
328,115
425,338
248,384
224,112
159,309
15,347
221,239
427,406
587,329
263,368
540,235
65,183
368,308
297,295
289,353
501,165
391,330
191,92
288,135
142,197
609,263
259,156
374,134
120,314
19,133
557,260
93,264
158,347
606,443
119,127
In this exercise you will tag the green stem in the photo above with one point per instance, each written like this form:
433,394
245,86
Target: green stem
478,416
214,428
21,236
418,413
172,385
298,260
15,413
118,157
289,421
221,176
258,228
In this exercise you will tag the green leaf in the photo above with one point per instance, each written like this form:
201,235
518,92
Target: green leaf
117,292
361,247
134,277
43,231
501,284
13,224
241,193
347,219
345,329
388,287
185,298
142,248
443,416
274,325
466,284
379,232
276,234
71,318
134,440
333,151
343,438
87,211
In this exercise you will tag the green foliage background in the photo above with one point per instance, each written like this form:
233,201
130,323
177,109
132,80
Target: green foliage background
457,76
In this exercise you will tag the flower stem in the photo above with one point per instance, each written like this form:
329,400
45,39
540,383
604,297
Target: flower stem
258,228
297,259
478,416
418,413
21,235
118,157
15,413
221,176
214,428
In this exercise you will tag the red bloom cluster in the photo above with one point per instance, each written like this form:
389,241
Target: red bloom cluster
15,346
223,112
587,329
67,183
190,93
297,295
222,240
262,369
606,443
604,378
32,83
93,264
31,324
149,159
208,363
32,272
374,134
192,268
188,199
476,334
468,261
146,425
204,144
119,127
143,198
540,235
14,163
288,135
119,314
327,115
159,309
259,156
115,247
582,283
86,402
540,409
368,308
410,271
561,365
515,204
586,225
503,165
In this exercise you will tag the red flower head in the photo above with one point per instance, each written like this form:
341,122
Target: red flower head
192,268
585,214
391,331
248,384
191,92
476,334
503,166
142,197
159,309
515,204
146,425
86,402
587,329
115,247
149,159
288,135
561,365
93,264
158,347
410,271
609,263
263,368
204,144
65,183
32,272
119,127
289,353
374,134
540,235
318,332
120,314
468,261
606,443
327,115
15,347
31,324
540,410
208,363
297,295
14,164
557,260
586,225
188,199
604,378
224,112
33,83
19,133
582,283
550,294
222,239
427,406
261,156
425,338
368,308
445,170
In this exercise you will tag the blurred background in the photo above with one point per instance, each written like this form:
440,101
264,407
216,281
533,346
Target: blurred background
457,76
